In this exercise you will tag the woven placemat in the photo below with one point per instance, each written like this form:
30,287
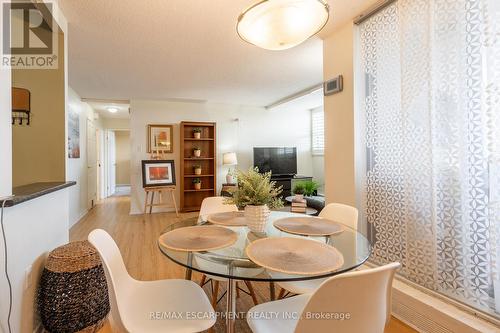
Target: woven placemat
229,219
198,238
309,226
295,255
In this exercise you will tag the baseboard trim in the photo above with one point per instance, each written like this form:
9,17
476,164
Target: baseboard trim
79,218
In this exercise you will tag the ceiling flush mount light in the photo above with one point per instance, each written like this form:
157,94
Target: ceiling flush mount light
112,109
282,24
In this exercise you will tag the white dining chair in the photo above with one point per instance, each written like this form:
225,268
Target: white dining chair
337,212
361,298
213,205
150,306
341,213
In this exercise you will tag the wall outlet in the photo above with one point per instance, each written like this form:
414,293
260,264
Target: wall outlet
28,277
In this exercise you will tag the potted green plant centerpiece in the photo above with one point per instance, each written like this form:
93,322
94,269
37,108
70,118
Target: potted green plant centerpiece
298,190
310,188
197,183
197,133
196,152
257,194
197,169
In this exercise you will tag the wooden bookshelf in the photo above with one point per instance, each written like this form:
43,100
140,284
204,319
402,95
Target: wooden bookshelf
190,197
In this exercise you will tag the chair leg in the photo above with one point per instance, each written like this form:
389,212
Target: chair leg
215,293
272,291
282,293
252,292
203,278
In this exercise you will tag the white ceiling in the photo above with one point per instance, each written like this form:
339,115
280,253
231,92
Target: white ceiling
102,107
158,49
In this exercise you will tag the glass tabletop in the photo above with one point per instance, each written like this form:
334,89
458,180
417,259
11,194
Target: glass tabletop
232,262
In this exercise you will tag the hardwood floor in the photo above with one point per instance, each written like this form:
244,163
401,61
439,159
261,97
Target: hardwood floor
136,236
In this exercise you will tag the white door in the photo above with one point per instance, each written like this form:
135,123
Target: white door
111,163
102,141
91,164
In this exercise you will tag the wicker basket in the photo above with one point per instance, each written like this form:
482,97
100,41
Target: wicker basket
73,294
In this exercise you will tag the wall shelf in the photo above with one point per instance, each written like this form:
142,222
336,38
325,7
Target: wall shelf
202,139
198,158
201,190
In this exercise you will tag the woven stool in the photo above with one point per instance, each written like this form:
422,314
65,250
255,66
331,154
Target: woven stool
73,294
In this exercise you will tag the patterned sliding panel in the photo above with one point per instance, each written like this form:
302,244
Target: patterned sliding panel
431,108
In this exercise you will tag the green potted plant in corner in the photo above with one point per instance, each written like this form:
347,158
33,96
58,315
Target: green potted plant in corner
197,133
196,152
197,183
257,194
197,169
298,190
310,188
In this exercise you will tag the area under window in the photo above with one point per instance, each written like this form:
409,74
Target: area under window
318,131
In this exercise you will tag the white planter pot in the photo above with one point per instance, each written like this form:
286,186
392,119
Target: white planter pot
197,153
257,217
299,196
197,171
197,135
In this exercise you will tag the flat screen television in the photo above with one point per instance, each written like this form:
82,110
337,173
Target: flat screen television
281,161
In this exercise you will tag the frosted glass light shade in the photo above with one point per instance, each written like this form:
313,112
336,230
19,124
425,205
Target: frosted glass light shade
229,159
282,24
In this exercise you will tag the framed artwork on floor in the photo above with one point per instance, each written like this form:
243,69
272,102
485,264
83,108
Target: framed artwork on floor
160,138
158,173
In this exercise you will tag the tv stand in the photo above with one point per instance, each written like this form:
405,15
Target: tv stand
288,181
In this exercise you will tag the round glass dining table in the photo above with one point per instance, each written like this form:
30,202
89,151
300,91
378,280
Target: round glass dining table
232,263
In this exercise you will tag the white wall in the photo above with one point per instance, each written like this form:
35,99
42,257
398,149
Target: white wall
122,149
339,118
76,168
116,123
32,228
239,128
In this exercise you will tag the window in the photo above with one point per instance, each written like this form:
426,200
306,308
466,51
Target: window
431,137
318,131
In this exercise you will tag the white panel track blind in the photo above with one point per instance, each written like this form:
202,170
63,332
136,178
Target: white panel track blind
430,125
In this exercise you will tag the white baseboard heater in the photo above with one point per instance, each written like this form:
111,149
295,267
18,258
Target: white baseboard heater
429,314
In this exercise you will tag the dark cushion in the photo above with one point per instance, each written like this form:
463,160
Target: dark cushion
316,202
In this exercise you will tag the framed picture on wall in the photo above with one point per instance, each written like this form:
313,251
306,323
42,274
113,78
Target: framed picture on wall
73,133
158,173
160,138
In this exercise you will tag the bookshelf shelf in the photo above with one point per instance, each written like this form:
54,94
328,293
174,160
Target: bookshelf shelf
191,198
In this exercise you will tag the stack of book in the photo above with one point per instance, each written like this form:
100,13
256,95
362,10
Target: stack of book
299,205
